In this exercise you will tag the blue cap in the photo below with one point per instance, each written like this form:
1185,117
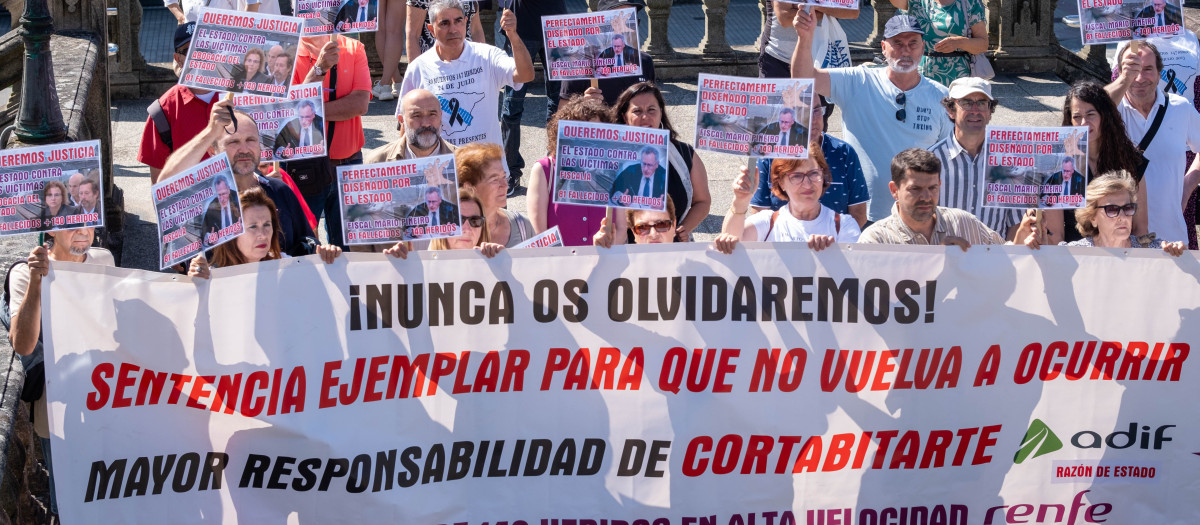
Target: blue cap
902,24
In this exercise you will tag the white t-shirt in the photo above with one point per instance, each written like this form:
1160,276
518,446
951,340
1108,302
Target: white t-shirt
868,102
1179,133
1180,54
790,229
468,89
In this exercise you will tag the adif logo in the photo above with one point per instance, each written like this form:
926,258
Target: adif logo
1039,441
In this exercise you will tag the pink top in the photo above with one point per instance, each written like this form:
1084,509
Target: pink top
577,224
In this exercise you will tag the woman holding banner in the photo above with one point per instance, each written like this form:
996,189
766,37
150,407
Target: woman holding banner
480,167
1109,149
803,219
642,105
576,223
259,242
646,226
1107,220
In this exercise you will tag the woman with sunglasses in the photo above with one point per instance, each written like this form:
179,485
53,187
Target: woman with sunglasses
480,168
474,231
642,105
1107,220
804,219
646,226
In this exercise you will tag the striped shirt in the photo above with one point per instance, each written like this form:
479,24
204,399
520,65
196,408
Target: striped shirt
948,222
962,186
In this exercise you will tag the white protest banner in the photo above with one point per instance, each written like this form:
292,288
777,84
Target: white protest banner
592,45
401,200
1031,167
197,210
611,165
839,4
54,187
672,384
545,239
291,129
754,116
1105,21
328,17
230,51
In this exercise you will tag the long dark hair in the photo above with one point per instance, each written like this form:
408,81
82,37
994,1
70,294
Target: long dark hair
622,105
228,254
1117,152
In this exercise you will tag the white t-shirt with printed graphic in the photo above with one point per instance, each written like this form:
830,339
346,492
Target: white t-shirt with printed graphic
468,89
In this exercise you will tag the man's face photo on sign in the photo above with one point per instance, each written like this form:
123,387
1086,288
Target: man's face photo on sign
643,184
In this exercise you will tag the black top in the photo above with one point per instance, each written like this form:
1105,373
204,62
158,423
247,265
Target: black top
529,15
612,87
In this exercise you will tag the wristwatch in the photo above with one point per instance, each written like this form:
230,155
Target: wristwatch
317,69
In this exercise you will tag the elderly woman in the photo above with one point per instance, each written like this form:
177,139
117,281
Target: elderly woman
54,198
804,219
259,242
642,105
480,168
945,23
1107,220
474,231
576,223
646,226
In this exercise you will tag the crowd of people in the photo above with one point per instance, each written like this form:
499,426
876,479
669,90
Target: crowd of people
908,170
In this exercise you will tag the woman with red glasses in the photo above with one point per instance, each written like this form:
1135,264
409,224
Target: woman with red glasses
647,226
804,219
1107,220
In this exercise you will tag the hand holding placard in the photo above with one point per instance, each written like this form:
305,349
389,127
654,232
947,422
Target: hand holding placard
433,173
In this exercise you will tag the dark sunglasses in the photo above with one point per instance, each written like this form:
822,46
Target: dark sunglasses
902,100
1112,210
476,221
660,226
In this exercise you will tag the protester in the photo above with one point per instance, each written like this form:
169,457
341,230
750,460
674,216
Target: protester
421,40
25,307
529,15
1164,145
54,202
177,116
642,105
608,89
576,224
474,231
1107,220
778,40
847,191
970,106
244,151
878,94
480,169
804,219
340,64
646,227
1109,149
947,51
259,242
916,217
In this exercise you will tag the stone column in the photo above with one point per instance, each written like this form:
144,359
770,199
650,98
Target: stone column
658,43
883,12
714,42
40,120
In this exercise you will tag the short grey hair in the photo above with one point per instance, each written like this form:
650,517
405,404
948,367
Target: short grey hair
437,6
650,150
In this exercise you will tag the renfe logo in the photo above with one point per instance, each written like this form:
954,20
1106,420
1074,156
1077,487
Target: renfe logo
1049,512
1040,440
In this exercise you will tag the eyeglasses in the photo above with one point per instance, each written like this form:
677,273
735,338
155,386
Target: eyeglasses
660,226
968,105
798,177
902,100
1112,210
476,221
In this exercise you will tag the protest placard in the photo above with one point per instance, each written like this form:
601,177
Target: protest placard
1031,167
197,211
54,187
1105,21
545,239
290,129
328,17
839,4
754,116
402,200
611,165
592,45
239,52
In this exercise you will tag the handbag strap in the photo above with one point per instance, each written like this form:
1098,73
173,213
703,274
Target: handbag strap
962,4
1149,136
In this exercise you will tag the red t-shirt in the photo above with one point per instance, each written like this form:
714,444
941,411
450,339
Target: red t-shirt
188,115
353,73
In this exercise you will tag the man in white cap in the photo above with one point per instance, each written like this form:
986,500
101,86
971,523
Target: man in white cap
970,106
870,96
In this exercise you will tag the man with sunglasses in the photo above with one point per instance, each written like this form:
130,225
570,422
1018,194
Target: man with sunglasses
969,107
178,115
869,95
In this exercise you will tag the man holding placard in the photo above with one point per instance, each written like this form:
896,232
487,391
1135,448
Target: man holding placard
529,29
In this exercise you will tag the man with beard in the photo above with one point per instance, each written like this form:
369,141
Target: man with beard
244,149
884,109
916,217
421,136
